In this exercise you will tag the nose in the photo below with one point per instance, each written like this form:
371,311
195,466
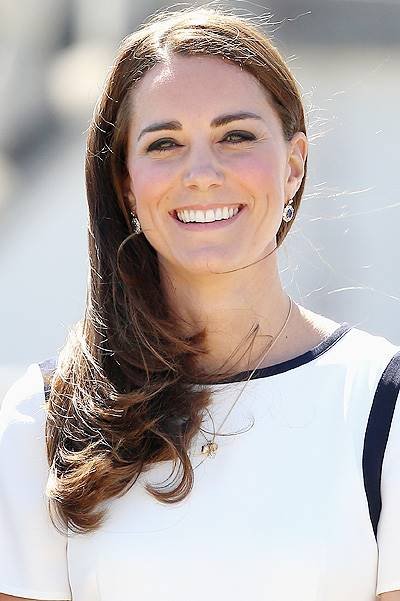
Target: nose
202,173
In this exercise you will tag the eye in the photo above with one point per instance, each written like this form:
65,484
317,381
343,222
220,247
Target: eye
244,136
157,145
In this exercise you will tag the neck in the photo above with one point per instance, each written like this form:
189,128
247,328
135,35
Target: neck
229,306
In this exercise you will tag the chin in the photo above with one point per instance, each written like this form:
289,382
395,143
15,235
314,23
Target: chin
206,265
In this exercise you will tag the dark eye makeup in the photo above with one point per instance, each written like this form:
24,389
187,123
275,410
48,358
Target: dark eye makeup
159,144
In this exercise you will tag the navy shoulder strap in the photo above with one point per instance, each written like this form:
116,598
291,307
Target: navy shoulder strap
376,436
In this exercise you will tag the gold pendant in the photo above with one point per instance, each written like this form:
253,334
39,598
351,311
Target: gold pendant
210,449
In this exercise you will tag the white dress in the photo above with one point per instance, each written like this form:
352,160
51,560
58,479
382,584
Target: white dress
280,513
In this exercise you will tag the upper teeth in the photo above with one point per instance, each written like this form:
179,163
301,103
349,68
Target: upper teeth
206,216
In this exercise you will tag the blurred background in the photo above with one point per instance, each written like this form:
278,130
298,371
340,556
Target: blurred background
341,257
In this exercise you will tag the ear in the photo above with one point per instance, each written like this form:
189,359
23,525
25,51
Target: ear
127,191
297,154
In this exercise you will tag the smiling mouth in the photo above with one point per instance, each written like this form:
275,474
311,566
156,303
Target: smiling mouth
205,216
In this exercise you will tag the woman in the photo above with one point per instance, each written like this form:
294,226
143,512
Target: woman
196,165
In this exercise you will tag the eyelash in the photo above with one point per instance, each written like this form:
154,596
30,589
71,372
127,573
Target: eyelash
155,146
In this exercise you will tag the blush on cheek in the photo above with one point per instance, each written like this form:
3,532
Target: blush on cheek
149,184
259,175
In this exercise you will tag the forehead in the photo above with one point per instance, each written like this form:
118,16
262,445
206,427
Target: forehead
200,85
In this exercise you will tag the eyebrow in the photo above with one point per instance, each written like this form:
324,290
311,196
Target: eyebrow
217,122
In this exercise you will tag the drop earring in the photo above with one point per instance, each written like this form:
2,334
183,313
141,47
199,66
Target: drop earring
136,224
288,211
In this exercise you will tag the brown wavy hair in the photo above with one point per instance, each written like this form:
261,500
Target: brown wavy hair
126,392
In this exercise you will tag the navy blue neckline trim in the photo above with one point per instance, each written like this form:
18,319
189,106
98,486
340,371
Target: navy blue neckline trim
278,368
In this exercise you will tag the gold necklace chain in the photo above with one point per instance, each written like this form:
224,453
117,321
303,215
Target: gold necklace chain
210,449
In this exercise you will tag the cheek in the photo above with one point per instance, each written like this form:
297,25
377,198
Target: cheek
260,173
149,184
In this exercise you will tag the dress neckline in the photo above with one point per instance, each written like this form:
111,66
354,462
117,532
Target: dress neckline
278,368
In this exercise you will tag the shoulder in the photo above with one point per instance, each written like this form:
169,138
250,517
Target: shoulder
23,454
369,348
358,343
348,344
22,420
25,397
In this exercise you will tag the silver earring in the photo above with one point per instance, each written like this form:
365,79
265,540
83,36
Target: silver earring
288,211
136,224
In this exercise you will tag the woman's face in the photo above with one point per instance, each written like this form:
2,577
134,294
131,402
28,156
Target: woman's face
195,161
